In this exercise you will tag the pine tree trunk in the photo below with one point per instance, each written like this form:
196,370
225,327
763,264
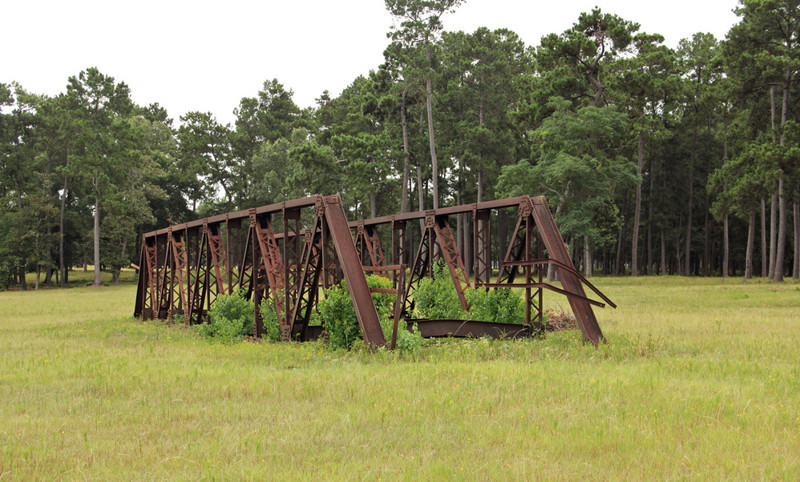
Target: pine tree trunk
459,227
764,260
726,247
773,233
796,265
663,254
707,209
777,273
421,199
780,250
650,265
404,125
751,229
688,247
97,241
587,258
429,100
637,210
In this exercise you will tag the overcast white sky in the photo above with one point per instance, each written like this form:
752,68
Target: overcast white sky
206,55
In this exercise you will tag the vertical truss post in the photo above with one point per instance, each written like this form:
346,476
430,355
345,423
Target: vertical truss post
165,289
308,283
423,263
539,271
292,255
141,285
515,251
148,278
180,293
368,246
361,243
200,293
398,245
233,247
482,261
273,264
219,260
247,265
449,251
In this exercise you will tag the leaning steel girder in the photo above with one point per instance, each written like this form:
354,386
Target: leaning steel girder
179,276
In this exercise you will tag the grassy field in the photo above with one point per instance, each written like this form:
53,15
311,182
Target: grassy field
701,379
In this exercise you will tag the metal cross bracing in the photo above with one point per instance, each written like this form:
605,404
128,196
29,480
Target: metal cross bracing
186,266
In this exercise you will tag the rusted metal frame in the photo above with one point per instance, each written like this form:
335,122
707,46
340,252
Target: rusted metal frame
468,328
180,276
572,284
448,211
360,243
308,283
387,267
449,250
147,293
243,214
482,263
539,291
273,264
151,253
234,253
247,266
567,293
351,269
514,252
259,281
141,286
564,266
399,290
157,273
398,246
200,293
419,269
292,253
173,295
219,260
373,243
165,290
528,273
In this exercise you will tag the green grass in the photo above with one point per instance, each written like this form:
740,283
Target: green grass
701,379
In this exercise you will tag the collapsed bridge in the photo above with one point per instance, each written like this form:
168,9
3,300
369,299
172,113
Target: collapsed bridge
287,251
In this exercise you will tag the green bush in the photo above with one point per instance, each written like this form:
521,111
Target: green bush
501,305
341,322
230,319
436,298
269,318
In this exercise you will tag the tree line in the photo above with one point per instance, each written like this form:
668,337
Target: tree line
656,160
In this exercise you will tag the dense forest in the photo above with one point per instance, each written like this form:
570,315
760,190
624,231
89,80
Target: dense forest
655,160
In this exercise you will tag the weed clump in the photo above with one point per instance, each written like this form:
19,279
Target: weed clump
436,298
341,322
229,319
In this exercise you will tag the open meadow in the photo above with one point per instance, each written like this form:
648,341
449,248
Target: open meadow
701,379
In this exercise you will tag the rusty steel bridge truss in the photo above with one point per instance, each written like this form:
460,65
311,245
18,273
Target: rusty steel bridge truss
286,252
